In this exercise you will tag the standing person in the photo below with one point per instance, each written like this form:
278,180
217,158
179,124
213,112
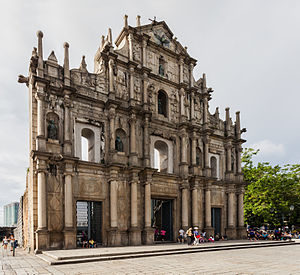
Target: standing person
189,234
196,236
181,236
12,242
5,244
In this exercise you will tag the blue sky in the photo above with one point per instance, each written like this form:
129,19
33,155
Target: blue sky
249,51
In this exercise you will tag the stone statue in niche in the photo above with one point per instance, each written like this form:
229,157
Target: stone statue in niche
161,66
52,130
119,144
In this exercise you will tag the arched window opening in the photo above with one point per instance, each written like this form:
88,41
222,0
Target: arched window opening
120,142
84,148
198,157
87,145
161,156
213,165
162,103
52,126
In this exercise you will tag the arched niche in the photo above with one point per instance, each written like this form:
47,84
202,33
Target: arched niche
213,165
198,157
162,103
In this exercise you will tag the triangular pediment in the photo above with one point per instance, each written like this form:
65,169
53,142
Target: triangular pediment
161,34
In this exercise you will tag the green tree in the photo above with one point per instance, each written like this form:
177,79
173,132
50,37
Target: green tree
272,194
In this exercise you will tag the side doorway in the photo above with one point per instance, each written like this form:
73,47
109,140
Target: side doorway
216,220
89,222
162,219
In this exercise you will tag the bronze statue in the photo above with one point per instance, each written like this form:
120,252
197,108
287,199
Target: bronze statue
119,144
52,130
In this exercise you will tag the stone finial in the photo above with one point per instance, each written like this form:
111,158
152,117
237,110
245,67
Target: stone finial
217,114
125,21
83,65
52,58
227,114
40,43
204,80
66,64
138,21
109,36
102,41
238,124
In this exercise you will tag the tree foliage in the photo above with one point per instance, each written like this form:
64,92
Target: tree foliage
271,192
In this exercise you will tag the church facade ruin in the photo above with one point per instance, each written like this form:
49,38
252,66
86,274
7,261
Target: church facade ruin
130,148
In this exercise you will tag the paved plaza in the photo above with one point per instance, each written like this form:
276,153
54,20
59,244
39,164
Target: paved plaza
267,260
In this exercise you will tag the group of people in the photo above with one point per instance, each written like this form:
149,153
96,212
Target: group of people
194,237
9,242
277,234
160,234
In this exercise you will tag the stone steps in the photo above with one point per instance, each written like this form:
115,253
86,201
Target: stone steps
52,259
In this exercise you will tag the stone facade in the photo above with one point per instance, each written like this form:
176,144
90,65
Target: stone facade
149,139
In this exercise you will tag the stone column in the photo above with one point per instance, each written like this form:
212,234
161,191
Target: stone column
42,242
194,142
228,158
241,210
183,149
184,209
111,114
181,63
42,200
113,204
146,143
206,157
133,154
111,76
145,94
192,106
135,232
181,95
191,75
40,111
131,85
231,196
148,232
147,205
195,207
134,221
68,201
67,128
130,38
238,156
144,45
207,208
205,111
69,231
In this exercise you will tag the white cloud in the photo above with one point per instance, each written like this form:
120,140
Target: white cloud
269,148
